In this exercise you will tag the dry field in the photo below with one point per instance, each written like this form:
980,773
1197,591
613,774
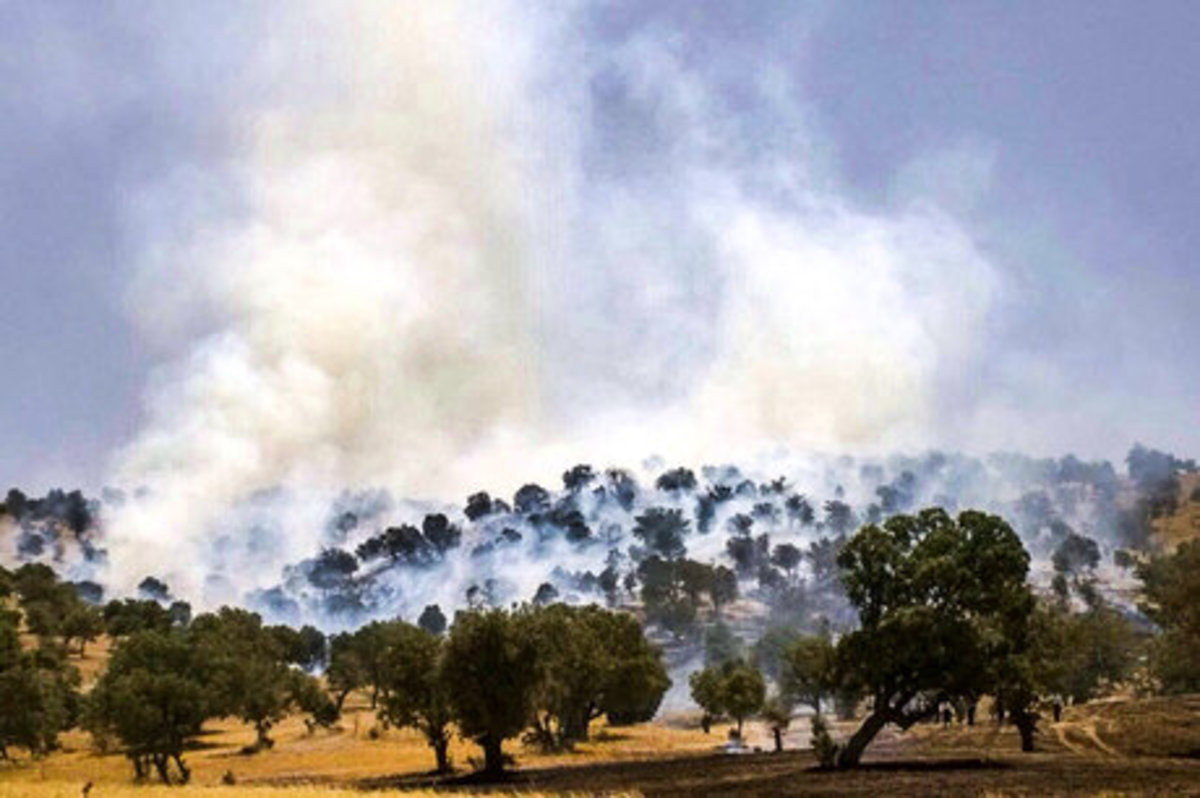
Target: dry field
1121,747
1184,524
72,790
357,749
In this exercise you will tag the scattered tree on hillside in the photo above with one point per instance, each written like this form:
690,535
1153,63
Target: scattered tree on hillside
432,619
590,662
245,669
777,712
416,694
37,694
734,689
154,700
943,608
1170,587
676,480
662,530
490,669
808,670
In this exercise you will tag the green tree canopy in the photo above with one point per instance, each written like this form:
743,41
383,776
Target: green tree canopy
37,694
808,670
154,698
734,689
1171,598
416,695
491,675
943,607
591,662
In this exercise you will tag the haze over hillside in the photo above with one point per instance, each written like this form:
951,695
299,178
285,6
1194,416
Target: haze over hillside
438,248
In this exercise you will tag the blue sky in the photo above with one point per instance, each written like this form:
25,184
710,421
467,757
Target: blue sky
1059,138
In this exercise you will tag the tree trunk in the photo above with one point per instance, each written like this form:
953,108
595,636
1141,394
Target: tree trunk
441,752
493,755
851,754
264,741
185,775
160,764
778,739
1026,723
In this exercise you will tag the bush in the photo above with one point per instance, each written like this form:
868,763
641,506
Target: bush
823,745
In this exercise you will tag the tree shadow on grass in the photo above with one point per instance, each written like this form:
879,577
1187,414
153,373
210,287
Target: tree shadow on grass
919,766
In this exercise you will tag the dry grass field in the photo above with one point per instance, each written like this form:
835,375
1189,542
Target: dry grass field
357,749
73,790
1184,524
1119,747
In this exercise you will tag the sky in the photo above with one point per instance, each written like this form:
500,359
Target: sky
356,242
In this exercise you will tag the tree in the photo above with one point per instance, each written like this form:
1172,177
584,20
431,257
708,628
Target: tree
724,588
771,649
943,608
622,487
666,602
440,533
591,662
788,557
245,669
432,619
706,690
662,531
531,499
304,647
721,645
490,668
346,672
839,516
154,589
1076,553
1170,586
125,617
546,594
416,694
153,698
744,692
578,478
822,559
478,506
808,670
798,509
82,623
1075,655
37,694
735,689
676,480
777,712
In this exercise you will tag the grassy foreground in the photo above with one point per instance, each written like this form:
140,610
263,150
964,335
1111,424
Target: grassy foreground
72,790
357,749
1117,747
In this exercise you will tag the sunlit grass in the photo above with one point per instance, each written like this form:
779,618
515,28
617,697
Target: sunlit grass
73,790
357,749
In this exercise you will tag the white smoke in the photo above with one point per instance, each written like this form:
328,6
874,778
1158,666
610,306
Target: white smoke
409,271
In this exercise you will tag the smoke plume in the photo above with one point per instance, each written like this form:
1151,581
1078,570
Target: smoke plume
442,246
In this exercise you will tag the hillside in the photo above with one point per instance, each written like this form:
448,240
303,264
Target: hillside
1184,523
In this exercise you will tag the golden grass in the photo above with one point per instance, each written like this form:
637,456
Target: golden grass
73,790
356,750
1184,524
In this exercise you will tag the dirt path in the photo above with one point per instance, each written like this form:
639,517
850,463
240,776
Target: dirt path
1071,732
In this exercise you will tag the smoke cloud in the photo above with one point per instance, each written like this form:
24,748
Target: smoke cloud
437,247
